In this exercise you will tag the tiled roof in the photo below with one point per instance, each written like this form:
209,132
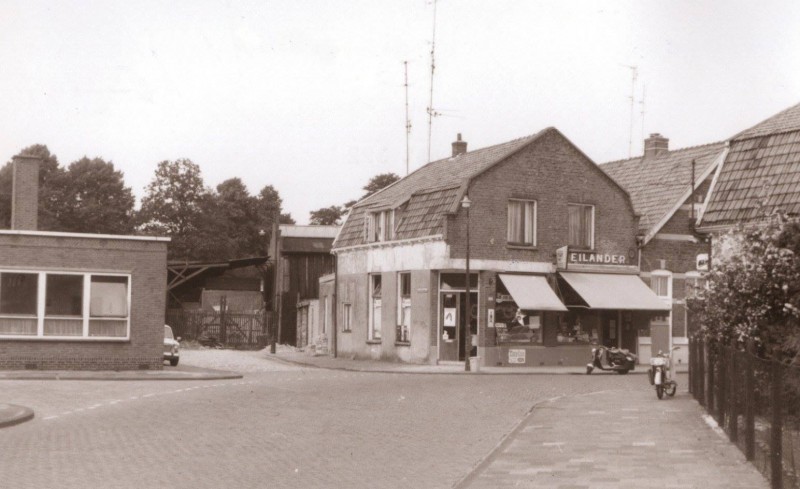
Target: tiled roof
760,175
784,121
427,192
656,184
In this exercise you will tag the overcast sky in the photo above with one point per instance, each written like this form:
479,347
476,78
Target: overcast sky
308,96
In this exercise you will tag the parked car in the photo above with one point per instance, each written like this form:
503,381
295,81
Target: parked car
172,347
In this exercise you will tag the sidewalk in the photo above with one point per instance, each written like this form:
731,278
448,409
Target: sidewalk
328,362
168,373
616,439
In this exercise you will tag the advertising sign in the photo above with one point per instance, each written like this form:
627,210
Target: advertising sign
561,257
516,356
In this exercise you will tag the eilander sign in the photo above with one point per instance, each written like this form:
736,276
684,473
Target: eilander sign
565,257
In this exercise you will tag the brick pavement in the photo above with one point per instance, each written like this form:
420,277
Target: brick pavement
616,439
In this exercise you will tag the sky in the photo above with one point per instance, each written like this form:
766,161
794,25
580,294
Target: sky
309,96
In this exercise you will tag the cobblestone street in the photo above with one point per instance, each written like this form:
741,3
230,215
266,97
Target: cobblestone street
279,426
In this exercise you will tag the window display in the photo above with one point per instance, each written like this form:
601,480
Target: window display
514,325
576,328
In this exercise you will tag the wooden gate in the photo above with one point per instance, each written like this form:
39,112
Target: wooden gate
243,330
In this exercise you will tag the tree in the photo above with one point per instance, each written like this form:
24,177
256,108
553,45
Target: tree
173,205
50,189
379,182
94,199
327,216
286,218
752,291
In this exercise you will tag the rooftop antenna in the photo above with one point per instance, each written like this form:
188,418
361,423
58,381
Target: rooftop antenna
432,113
634,74
408,121
642,114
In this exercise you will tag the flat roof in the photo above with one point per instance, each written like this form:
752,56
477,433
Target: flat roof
308,231
58,234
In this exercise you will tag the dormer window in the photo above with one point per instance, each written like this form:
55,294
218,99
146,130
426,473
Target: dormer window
381,226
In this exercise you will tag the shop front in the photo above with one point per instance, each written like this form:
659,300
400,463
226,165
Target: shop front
555,319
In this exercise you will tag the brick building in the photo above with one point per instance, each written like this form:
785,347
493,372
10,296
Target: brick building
77,301
669,189
553,256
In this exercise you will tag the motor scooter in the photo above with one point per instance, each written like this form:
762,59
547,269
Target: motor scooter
616,360
660,373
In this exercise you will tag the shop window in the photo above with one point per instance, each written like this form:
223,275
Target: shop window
581,225
347,317
513,325
374,333
73,305
521,222
403,333
381,226
576,328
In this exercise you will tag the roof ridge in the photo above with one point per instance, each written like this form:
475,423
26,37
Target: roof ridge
669,152
773,116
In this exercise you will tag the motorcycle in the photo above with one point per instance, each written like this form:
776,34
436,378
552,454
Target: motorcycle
616,360
660,373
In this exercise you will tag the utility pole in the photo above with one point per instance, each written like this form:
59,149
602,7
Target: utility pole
408,121
432,113
634,75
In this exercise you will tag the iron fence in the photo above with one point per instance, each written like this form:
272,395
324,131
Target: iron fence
243,330
756,401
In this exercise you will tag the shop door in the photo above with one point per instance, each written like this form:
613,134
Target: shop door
453,320
610,329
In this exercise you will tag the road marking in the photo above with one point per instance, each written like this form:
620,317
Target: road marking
552,443
115,401
50,417
148,395
644,443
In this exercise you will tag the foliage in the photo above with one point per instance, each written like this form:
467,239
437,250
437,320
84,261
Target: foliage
379,182
753,290
327,216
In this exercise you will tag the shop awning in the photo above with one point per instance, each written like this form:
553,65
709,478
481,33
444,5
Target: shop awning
532,293
613,291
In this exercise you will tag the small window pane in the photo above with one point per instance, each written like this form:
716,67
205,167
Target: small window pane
63,327
113,328
580,225
18,293
18,326
64,296
109,297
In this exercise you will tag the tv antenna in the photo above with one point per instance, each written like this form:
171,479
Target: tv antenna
642,114
634,74
408,121
432,113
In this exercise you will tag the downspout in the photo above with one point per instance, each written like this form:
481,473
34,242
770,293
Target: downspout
335,306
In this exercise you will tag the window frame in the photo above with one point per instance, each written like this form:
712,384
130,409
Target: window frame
400,297
591,230
381,226
371,336
347,317
86,315
532,222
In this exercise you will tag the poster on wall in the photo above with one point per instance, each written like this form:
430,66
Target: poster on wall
490,318
516,356
449,316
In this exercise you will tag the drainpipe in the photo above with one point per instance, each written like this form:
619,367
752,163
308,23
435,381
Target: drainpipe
335,306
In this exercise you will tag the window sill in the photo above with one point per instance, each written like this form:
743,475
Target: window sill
374,342
346,331
87,339
516,246
402,343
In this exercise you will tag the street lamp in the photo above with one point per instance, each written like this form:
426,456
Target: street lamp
270,326
465,203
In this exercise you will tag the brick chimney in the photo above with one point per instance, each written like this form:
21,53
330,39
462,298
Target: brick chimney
655,145
25,192
459,146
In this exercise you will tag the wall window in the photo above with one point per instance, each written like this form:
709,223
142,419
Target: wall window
661,284
521,222
381,226
404,307
347,316
374,332
581,225
64,305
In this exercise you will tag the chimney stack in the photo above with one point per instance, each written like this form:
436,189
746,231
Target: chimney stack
25,193
459,146
655,145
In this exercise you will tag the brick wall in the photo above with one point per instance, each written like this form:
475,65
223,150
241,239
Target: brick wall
24,200
144,260
554,173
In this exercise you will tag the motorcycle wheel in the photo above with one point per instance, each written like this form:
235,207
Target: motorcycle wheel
660,391
623,371
589,370
671,389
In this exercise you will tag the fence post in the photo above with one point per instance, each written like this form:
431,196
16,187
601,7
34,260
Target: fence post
701,374
733,399
776,428
722,400
749,408
223,306
711,390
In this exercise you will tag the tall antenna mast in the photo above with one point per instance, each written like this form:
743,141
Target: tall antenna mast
634,73
642,113
408,121
431,112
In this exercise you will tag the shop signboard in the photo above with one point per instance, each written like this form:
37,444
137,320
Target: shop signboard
594,258
516,356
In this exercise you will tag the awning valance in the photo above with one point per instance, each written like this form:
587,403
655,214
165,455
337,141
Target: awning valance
532,293
614,291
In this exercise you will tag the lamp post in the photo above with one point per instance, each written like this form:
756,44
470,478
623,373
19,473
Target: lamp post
465,203
264,289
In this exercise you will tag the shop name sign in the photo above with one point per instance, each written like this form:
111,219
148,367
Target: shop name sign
565,257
